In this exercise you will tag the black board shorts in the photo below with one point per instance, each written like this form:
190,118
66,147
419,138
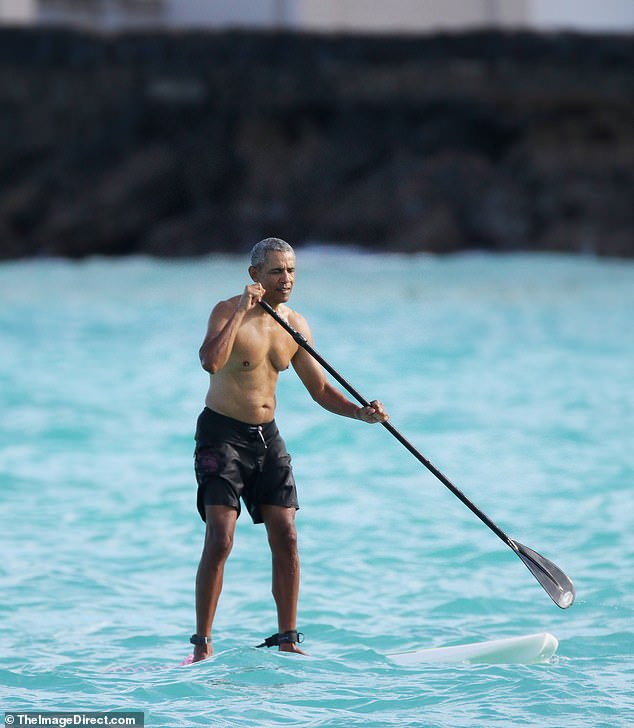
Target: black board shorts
236,460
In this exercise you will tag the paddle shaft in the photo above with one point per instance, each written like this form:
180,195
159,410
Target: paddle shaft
301,340
554,581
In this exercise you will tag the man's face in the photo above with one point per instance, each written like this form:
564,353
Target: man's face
277,275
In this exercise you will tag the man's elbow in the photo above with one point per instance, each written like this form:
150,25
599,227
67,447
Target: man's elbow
208,364
319,396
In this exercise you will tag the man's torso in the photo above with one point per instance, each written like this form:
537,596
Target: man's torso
245,387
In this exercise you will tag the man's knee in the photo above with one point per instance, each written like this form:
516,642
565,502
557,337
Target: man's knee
218,544
282,535
219,535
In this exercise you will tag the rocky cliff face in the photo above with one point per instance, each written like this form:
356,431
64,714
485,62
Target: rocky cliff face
186,144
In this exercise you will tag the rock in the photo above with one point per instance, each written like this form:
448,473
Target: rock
175,144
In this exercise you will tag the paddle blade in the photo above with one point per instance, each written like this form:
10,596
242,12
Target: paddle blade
556,584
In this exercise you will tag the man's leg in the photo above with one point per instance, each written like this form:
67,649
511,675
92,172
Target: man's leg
282,535
221,524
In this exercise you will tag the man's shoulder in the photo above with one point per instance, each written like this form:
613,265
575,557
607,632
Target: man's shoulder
295,319
223,310
227,304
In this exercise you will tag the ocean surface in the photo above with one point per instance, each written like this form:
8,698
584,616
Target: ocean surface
514,375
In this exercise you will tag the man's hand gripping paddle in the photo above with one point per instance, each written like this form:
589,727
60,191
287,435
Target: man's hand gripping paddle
556,584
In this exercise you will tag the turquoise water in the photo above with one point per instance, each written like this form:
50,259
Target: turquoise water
513,375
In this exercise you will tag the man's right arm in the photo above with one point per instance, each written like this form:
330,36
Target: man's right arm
222,328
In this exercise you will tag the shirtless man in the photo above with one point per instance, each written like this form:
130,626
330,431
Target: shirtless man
239,451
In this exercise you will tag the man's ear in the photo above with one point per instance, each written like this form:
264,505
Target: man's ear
253,272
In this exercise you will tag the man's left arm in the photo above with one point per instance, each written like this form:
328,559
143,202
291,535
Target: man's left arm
323,392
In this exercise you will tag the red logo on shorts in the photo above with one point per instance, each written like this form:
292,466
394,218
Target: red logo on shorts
208,463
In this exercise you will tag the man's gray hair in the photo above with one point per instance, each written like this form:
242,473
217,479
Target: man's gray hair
260,250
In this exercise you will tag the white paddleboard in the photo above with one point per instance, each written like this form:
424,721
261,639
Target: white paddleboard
527,649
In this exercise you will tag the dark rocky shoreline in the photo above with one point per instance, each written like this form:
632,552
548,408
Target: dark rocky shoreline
184,144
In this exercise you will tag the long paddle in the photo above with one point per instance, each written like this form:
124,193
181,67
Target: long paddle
556,584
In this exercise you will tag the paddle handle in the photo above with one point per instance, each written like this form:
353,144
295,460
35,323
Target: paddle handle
301,340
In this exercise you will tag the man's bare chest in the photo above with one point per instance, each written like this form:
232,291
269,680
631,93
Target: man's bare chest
257,345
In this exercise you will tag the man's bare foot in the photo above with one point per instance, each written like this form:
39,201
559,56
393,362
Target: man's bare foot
202,652
292,647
